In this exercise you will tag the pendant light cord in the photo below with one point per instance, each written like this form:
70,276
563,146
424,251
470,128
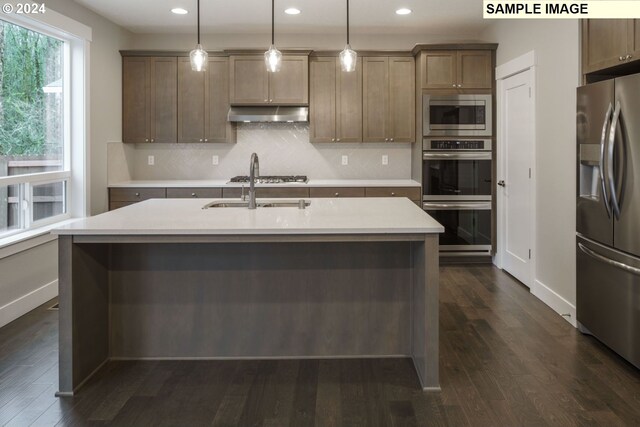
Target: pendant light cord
273,22
347,21
198,21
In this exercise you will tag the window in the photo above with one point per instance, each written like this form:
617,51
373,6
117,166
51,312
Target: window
35,170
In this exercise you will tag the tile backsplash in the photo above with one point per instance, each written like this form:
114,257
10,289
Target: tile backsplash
283,148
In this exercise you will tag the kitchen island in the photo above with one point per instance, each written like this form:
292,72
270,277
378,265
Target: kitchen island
167,279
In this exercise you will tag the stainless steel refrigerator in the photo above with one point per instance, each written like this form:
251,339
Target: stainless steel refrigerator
608,214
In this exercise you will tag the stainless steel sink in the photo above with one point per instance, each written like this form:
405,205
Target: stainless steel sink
300,204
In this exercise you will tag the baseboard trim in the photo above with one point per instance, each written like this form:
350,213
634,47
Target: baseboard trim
21,306
555,301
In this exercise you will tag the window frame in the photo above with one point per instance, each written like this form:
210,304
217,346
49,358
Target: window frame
76,38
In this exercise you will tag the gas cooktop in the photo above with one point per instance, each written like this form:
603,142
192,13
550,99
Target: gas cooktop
271,179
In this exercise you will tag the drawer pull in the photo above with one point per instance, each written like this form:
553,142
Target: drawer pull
193,195
337,194
393,194
137,194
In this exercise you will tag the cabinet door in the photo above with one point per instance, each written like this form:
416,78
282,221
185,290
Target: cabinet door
217,127
604,42
290,85
191,95
439,69
402,100
136,114
474,69
375,99
164,99
349,104
322,108
249,80
633,39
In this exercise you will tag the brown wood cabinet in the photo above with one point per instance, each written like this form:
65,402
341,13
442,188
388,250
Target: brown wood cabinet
149,99
609,42
251,84
322,192
203,102
335,101
456,69
195,193
136,194
388,104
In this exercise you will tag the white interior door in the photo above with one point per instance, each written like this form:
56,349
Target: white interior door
515,181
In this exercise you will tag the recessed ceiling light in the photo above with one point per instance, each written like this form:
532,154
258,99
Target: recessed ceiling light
292,11
179,11
403,11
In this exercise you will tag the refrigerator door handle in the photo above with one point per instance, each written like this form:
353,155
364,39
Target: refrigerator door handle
612,141
603,137
611,262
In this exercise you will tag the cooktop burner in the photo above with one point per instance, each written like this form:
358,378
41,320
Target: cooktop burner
271,179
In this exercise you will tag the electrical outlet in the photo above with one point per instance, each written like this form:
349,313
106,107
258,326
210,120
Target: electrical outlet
151,160
385,159
215,160
345,160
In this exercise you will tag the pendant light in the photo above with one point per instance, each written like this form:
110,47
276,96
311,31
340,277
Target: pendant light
273,57
348,57
198,56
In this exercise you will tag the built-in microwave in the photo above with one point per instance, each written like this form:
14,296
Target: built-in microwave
457,115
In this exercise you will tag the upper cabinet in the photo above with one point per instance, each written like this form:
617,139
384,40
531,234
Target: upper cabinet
149,99
388,101
251,84
203,102
608,42
335,106
456,69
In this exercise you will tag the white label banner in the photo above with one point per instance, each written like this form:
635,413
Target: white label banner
531,9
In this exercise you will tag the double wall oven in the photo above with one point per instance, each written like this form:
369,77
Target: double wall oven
457,170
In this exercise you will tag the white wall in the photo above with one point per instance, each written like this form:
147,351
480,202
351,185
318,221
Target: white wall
556,44
29,278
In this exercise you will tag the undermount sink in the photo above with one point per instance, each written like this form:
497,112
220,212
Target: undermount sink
300,204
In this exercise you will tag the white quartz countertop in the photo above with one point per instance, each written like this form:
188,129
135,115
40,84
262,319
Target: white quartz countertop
310,183
384,215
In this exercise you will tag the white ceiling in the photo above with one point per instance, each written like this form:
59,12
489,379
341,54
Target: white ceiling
437,17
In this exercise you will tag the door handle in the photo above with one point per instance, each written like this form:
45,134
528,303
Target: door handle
605,196
612,140
501,183
606,260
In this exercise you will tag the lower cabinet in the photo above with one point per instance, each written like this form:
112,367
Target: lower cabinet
121,197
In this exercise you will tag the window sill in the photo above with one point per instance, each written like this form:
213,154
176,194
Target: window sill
26,240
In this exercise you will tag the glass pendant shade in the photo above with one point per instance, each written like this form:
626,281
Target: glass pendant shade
199,58
273,59
348,59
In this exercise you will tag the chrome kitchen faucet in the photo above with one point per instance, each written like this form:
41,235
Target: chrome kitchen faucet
254,172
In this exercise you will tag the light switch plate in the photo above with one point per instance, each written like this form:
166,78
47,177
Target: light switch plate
215,160
345,160
385,159
151,160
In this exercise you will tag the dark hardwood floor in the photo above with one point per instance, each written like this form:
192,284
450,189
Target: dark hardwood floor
506,360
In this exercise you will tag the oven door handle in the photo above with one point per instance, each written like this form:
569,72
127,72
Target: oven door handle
467,206
428,155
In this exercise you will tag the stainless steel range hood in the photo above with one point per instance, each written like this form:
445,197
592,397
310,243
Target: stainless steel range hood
268,114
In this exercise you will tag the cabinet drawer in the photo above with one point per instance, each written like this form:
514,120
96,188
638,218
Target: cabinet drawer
267,192
413,193
183,193
136,194
337,192
118,205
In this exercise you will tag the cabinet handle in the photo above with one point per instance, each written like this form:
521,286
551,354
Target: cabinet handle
621,58
146,140
333,140
459,85
266,100
271,100
629,57
193,195
337,195
200,139
137,194
338,139
386,140
391,139
153,140
454,85
393,194
206,140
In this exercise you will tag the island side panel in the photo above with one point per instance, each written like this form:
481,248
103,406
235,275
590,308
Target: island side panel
84,311
260,300
425,311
